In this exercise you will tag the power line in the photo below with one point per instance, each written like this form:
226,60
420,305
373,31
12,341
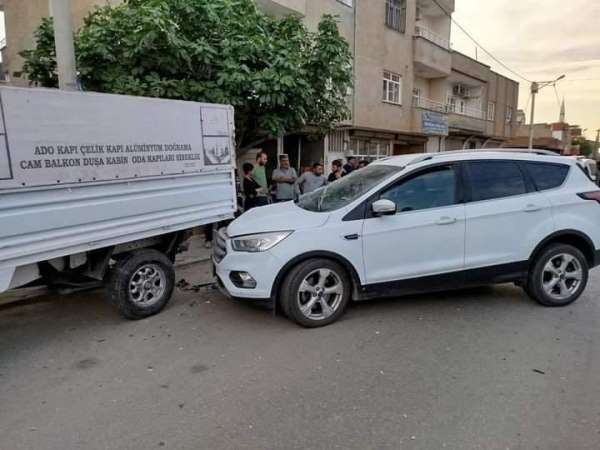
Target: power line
478,44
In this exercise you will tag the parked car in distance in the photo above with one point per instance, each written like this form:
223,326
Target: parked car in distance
590,166
419,223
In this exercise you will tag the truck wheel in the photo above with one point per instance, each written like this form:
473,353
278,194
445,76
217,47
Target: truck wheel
316,293
558,276
140,284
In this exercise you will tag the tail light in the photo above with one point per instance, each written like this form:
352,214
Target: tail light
595,195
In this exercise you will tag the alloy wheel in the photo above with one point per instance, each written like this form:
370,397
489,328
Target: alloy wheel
562,276
320,294
147,285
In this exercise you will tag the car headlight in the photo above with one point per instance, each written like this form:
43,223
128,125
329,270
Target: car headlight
258,242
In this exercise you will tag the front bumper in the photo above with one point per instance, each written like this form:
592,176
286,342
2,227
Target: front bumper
263,267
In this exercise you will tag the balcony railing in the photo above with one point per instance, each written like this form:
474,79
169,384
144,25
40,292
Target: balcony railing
425,103
465,111
435,38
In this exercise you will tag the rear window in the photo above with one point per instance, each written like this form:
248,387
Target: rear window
547,176
495,179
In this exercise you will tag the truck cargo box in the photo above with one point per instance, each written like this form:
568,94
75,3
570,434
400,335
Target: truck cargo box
86,171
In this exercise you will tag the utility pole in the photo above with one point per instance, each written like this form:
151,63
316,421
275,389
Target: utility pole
65,48
595,154
535,88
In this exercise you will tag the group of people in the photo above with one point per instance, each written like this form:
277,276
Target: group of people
285,184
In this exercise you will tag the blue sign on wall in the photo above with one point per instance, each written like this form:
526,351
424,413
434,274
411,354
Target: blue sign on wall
435,123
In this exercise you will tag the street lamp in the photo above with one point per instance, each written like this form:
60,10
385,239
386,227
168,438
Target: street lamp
535,88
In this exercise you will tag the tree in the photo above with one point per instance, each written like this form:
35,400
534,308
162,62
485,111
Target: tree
586,147
279,76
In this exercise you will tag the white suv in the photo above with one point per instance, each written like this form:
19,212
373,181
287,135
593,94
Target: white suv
419,223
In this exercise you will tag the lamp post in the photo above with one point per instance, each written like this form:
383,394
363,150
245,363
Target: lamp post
65,48
535,88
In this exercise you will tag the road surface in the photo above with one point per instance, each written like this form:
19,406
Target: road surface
478,369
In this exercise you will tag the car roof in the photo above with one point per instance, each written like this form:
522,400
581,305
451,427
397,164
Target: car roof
465,155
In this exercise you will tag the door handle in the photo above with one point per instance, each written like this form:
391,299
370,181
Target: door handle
446,220
532,208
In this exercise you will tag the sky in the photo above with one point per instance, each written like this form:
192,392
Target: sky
540,40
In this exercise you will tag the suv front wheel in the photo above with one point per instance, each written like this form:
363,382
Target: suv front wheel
316,293
558,275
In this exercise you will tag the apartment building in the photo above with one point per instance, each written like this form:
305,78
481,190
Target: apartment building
481,105
412,92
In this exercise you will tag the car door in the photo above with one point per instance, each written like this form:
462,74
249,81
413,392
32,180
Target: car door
506,216
425,236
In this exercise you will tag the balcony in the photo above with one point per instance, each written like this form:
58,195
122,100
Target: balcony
429,117
431,54
281,8
470,120
432,105
457,117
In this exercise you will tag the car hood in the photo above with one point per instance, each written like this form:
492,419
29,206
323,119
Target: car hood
277,217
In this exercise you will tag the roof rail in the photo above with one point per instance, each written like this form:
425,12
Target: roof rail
427,157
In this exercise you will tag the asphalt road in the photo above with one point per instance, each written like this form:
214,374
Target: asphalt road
478,369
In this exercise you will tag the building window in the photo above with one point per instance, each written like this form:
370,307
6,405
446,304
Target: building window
369,150
392,88
491,112
509,114
395,15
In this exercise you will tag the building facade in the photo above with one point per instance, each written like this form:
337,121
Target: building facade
411,94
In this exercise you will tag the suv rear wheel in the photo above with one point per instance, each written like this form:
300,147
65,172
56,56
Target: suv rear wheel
316,293
558,275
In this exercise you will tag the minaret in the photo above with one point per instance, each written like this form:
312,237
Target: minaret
562,112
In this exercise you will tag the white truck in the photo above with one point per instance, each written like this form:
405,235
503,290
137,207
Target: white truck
100,189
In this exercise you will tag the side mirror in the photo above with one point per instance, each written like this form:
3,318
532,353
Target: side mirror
383,207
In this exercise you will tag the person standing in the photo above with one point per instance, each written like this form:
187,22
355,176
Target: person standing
260,176
311,181
249,186
336,171
351,165
284,178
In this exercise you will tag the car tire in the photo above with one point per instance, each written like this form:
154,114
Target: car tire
316,293
141,283
558,275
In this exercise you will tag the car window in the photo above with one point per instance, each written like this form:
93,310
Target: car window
344,191
495,179
432,189
547,176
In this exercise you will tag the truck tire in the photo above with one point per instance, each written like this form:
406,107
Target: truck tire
141,283
316,293
558,276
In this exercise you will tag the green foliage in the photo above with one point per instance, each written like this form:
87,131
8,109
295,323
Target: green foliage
40,63
586,147
278,75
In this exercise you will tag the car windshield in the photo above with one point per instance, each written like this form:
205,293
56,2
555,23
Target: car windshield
342,192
